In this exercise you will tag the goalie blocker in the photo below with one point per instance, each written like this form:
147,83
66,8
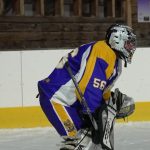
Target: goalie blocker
119,106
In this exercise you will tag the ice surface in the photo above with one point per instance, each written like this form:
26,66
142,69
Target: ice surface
128,136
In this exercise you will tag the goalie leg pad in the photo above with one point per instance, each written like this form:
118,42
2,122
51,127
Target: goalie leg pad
105,117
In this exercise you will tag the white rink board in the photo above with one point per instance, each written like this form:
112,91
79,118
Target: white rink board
37,66
10,79
134,80
21,70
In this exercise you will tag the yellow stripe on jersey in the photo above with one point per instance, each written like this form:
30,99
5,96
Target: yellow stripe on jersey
108,55
99,50
65,119
88,71
107,95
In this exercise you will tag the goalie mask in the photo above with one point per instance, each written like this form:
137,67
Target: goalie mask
122,39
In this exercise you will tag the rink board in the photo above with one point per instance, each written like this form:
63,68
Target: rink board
28,117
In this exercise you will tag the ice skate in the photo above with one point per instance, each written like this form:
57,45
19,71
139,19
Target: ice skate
69,144
81,142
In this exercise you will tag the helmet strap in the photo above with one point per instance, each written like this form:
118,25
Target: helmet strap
121,56
125,62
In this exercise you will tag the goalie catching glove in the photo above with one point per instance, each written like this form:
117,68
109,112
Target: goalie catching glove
125,104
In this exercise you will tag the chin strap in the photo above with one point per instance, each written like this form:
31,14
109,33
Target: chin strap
125,62
121,56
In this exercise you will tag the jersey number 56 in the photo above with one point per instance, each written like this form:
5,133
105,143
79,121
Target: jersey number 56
99,83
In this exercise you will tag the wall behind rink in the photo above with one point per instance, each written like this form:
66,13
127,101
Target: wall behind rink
21,70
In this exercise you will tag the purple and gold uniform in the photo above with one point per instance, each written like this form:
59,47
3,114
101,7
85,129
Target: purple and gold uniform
95,67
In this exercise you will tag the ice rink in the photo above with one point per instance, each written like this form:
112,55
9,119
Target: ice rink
129,136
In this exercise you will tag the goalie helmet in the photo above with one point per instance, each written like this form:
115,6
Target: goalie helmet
122,39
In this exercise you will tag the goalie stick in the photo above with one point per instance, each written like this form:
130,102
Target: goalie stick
83,101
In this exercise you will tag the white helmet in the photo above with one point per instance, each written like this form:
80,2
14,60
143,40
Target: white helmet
122,39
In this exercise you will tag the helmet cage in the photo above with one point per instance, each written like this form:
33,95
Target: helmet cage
122,39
